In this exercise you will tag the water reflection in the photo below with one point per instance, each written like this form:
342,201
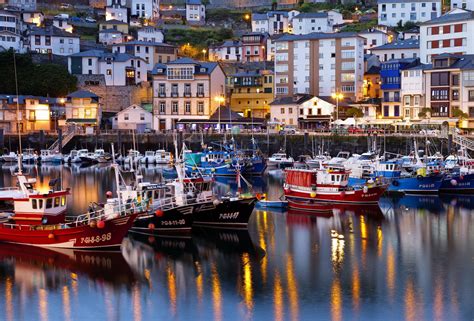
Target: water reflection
409,259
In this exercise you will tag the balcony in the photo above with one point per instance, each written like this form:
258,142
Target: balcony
162,95
187,94
200,94
174,94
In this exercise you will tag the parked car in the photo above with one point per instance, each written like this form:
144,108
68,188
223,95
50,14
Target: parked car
91,20
289,131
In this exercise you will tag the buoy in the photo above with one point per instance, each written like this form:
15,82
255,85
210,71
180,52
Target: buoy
340,236
312,194
159,213
194,168
93,224
213,169
108,194
264,196
50,236
228,165
216,202
454,182
101,224
151,226
258,196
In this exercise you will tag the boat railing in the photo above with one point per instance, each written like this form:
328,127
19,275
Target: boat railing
10,188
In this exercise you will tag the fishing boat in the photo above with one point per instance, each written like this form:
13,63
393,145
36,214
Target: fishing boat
77,156
272,204
133,158
11,157
305,187
280,160
210,162
163,157
148,158
48,156
102,157
29,156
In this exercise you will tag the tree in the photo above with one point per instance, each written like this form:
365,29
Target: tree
354,112
425,112
274,4
458,113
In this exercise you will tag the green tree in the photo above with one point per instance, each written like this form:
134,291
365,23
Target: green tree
458,113
424,112
354,112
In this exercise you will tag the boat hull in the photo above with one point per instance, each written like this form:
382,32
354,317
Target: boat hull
79,237
255,168
416,185
178,220
458,184
218,170
226,213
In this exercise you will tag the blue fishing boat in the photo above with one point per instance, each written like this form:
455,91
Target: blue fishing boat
209,162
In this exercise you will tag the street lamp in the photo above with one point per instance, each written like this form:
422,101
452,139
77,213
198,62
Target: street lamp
337,96
204,51
219,99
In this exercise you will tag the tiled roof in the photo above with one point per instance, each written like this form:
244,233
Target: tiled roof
51,31
451,17
400,44
144,43
82,94
309,15
291,100
317,35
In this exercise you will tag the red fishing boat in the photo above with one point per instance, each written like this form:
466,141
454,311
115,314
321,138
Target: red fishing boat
305,189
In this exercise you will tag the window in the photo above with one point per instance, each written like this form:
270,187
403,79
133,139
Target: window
455,94
162,107
282,110
200,107
34,204
89,62
57,201
290,110
386,110
471,95
63,200
439,94
417,100
174,107
187,107
183,73
109,72
142,116
200,89
406,100
455,79
49,203
440,79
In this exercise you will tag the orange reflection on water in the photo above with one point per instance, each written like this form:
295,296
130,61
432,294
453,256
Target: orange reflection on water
171,289
66,303
263,244
216,293
336,300
379,241
9,298
438,299
199,288
247,282
410,301
355,287
278,298
292,288
390,271
136,303
43,304
363,235
337,253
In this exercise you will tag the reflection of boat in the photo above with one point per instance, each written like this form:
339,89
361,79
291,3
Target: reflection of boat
328,209
109,266
431,203
272,204
10,157
48,156
463,201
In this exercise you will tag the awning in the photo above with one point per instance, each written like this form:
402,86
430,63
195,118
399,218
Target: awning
82,120
441,121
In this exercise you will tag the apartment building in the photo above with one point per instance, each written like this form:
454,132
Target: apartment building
450,33
116,12
309,22
185,88
195,12
119,69
462,4
393,12
399,49
150,34
146,9
374,38
254,47
320,64
32,17
413,91
151,52
273,22
83,109
52,40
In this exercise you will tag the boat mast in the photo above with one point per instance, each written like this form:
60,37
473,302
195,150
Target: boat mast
117,178
20,172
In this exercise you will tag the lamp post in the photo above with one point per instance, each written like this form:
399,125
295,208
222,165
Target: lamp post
219,99
337,96
204,51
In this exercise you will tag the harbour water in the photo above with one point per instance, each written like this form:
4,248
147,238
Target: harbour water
410,259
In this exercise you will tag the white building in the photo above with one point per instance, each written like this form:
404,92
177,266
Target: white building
462,4
119,69
185,88
413,91
451,33
146,9
400,49
320,64
111,37
10,40
272,22
32,17
63,24
373,38
151,52
230,50
23,4
133,117
116,12
150,34
52,40
305,23
195,12
10,21
392,12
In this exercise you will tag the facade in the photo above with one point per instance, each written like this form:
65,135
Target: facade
372,83
272,22
450,33
195,12
133,117
51,40
393,12
63,24
390,75
320,64
119,69
116,12
413,91
23,4
38,114
305,23
462,4
254,47
111,37
185,88
151,52
33,17
83,109
10,40
230,50
114,24
146,9
399,49
10,21
150,34
373,38
251,93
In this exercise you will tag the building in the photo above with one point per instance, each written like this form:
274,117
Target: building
254,47
119,69
110,37
393,12
185,88
32,17
10,21
52,40
251,92
449,85
195,12
23,4
413,91
450,33
413,33
230,50
272,22
390,75
38,113
373,38
324,21
150,34
116,12
399,49
320,64
9,120
145,9
83,109
151,52
462,4
133,117
372,83
10,40
63,24
114,24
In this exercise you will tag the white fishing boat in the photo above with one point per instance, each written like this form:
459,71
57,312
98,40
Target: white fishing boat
280,160
29,156
11,157
48,156
77,157
102,157
163,157
149,157
132,158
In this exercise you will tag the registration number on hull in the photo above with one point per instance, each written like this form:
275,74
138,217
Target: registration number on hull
173,222
229,216
96,239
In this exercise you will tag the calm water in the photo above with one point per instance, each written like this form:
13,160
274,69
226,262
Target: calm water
413,259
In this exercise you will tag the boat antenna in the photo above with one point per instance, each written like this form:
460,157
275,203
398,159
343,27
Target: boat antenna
20,172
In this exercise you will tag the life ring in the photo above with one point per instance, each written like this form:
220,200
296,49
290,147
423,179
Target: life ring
395,183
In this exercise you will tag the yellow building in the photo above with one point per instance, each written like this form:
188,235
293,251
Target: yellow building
83,109
251,93
115,25
371,86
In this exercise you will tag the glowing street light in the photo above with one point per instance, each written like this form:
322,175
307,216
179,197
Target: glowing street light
337,96
220,100
247,17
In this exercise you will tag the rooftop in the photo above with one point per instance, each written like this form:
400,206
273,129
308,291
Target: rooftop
82,94
400,44
309,15
208,66
318,35
51,31
291,100
452,16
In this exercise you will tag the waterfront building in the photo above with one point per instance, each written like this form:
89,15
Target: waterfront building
83,109
133,117
116,12
450,33
309,22
119,69
150,34
394,12
52,40
186,88
114,24
146,9
413,91
399,49
229,50
251,92
195,12
151,52
372,83
320,64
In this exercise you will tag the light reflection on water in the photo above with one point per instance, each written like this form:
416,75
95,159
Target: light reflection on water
411,260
